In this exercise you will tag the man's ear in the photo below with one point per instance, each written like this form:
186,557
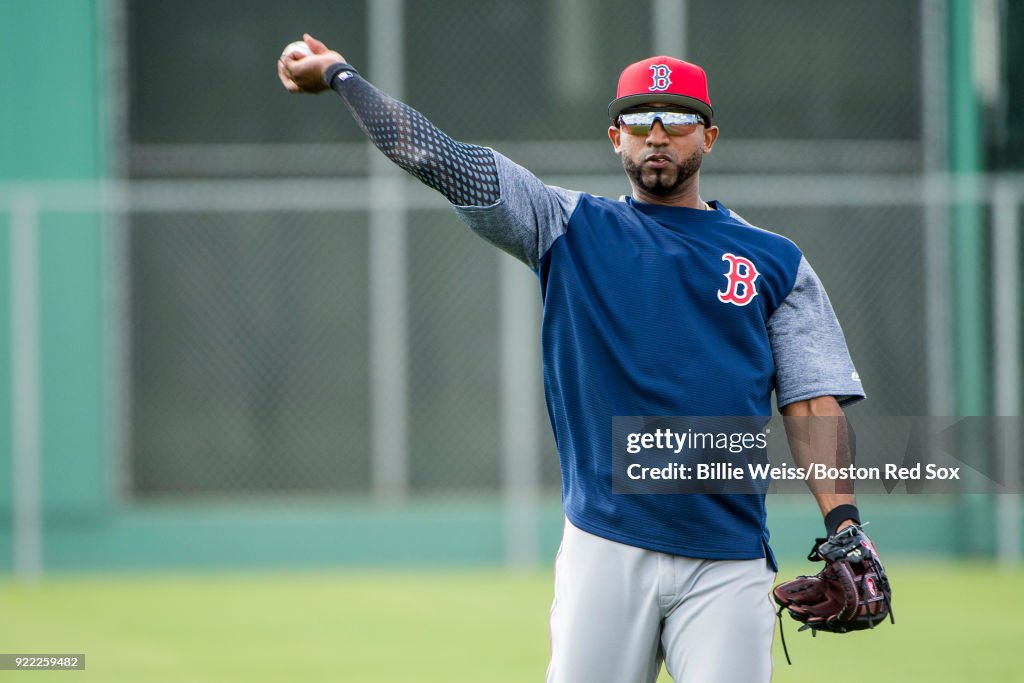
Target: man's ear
614,134
710,135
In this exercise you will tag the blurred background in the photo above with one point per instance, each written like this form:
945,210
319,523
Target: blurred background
233,336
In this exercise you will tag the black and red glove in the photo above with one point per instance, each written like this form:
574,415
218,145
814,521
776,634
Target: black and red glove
850,593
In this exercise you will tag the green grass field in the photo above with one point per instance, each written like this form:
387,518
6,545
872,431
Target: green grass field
954,623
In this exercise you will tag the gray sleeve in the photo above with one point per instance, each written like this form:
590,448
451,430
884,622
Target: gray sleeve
811,358
528,216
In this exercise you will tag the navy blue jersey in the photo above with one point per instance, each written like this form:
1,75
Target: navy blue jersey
635,324
653,310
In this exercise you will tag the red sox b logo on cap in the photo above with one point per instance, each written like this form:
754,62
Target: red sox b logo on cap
741,276
660,77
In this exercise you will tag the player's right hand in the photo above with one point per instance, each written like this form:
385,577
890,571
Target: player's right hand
305,73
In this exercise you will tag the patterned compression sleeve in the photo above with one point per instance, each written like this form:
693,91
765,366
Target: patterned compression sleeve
465,174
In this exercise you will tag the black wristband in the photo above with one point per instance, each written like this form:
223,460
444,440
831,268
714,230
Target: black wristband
335,69
838,515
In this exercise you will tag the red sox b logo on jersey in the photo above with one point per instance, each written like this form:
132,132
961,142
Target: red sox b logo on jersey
660,77
740,289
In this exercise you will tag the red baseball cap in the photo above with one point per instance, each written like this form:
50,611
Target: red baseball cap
662,79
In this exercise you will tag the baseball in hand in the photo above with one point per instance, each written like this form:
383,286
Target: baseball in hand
297,50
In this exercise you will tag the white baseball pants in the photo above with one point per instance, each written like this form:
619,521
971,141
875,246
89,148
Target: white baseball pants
619,611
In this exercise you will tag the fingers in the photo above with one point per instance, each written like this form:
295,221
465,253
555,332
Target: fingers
300,67
317,47
286,81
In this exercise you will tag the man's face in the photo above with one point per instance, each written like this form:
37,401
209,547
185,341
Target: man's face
660,165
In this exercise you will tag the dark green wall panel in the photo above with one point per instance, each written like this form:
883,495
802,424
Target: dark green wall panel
51,118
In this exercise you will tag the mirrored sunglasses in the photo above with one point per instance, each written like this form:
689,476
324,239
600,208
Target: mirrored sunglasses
674,122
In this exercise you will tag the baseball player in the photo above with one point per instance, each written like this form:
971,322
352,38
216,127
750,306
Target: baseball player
659,303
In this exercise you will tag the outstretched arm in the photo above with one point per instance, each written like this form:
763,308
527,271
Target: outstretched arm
499,200
465,174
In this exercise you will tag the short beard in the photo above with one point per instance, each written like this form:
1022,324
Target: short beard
659,186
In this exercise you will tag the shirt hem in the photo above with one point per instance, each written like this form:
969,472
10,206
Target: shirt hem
845,396
478,207
670,549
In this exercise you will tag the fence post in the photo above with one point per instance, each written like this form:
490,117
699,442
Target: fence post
26,391
387,224
1006,284
970,329
520,412
935,165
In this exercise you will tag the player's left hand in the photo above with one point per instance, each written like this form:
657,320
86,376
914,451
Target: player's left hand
851,593
305,73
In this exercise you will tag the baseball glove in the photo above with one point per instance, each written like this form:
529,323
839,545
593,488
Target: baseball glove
851,593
